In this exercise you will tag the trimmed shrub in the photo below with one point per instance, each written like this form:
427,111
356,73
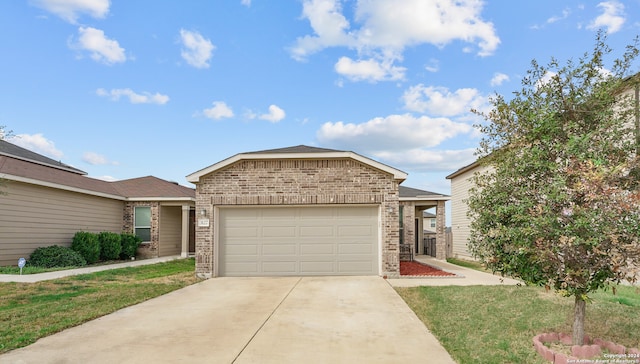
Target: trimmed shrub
130,243
88,245
109,245
56,256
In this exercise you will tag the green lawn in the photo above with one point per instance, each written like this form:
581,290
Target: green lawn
29,311
495,324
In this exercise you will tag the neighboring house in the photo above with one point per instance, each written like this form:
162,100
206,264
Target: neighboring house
461,180
45,202
305,211
461,183
429,222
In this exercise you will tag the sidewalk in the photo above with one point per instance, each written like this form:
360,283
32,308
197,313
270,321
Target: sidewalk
464,276
32,278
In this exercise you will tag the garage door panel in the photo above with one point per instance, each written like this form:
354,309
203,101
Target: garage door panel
277,214
355,248
313,249
279,249
317,231
306,240
244,215
279,267
316,214
355,230
233,268
355,211
242,232
242,249
279,231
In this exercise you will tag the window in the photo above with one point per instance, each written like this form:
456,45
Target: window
142,223
433,223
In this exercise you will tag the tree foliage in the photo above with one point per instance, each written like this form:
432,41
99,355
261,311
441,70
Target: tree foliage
560,206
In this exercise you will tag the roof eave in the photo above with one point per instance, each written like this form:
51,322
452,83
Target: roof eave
61,187
426,198
161,199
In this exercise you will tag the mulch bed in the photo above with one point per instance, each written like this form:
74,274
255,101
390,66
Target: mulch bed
417,269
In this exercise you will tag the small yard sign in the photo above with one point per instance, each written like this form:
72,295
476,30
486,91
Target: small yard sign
21,263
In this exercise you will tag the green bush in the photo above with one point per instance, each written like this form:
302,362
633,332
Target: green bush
110,247
130,243
56,256
88,245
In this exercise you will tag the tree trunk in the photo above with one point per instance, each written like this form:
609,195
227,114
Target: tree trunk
578,321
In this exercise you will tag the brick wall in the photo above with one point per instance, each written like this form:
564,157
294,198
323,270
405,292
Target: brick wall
150,249
298,182
408,221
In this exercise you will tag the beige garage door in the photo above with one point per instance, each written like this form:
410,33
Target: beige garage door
276,241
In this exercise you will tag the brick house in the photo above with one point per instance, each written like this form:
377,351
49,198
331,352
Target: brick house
45,202
305,211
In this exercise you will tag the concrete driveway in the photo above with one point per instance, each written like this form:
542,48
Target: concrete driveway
252,320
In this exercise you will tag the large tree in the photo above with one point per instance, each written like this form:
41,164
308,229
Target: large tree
560,204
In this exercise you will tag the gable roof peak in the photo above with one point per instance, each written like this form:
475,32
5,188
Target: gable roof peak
296,149
297,152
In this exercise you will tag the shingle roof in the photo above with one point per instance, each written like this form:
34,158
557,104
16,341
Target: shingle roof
296,149
414,192
151,186
15,151
27,170
39,169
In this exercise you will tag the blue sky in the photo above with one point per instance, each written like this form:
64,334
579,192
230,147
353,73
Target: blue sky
123,89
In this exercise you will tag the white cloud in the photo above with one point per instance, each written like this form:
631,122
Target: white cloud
246,3
218,111
430,160
275,114
96,159
368,70
101,48
37,143
394,132
440,101
134,98
70,10
197,49
612,18
385,28
498,79
557,18
329,25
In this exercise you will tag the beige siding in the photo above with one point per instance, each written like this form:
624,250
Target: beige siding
460,223
32,216
170,231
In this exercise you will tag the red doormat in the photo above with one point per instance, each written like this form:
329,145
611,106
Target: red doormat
416,269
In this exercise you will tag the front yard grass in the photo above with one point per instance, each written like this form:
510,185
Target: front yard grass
29,311
495,324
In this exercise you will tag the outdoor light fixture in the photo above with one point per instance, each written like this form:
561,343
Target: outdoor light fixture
203,212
